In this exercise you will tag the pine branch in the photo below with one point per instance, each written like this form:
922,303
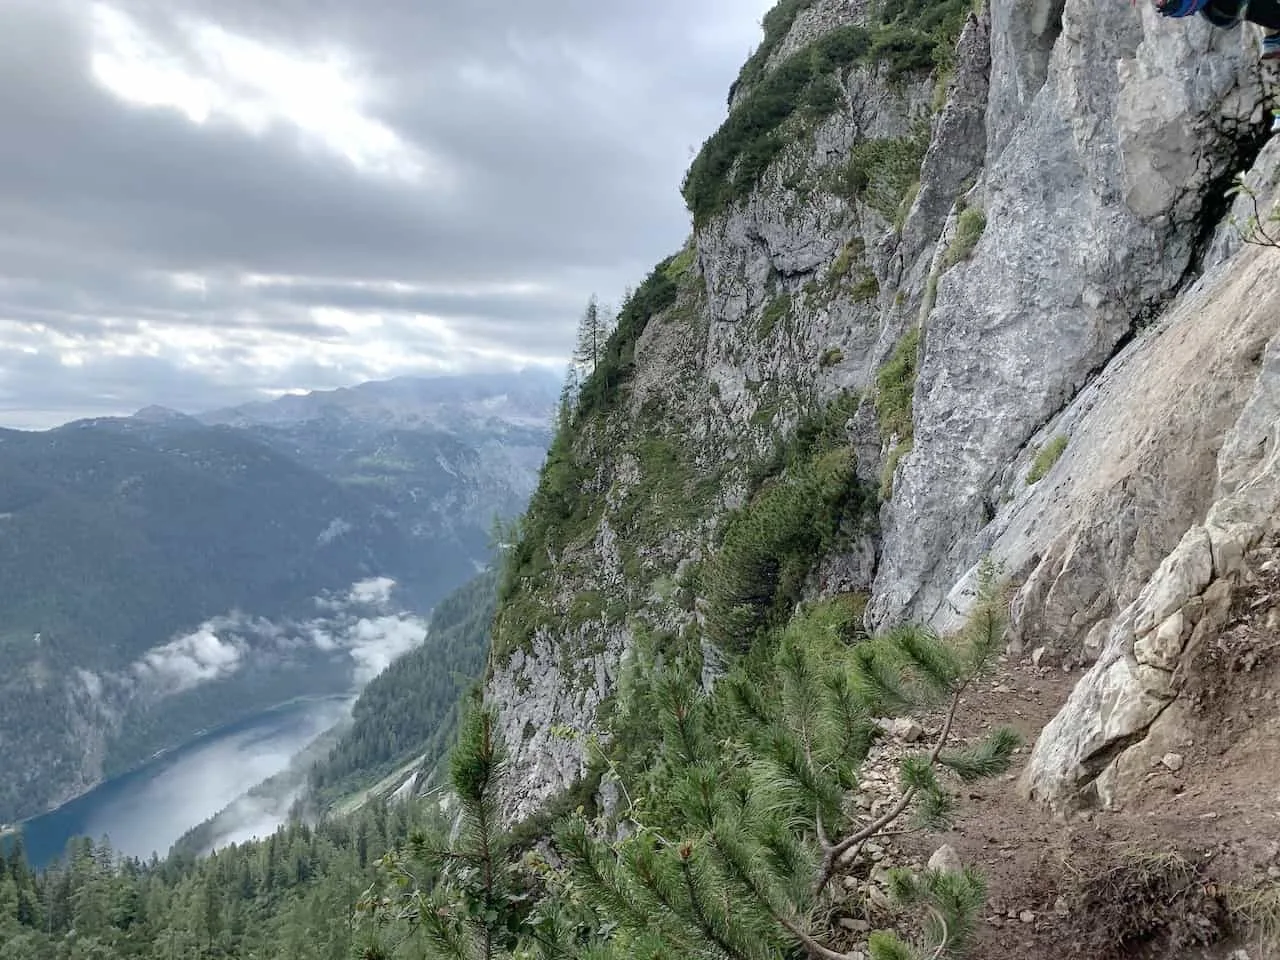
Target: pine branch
712,928
598,875
931,658
739,862
885,945
747,700
696,794
834,852
436,921
853,727
988,759
788,767
877,683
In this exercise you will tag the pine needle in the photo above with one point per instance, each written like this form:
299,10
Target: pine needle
990,758
877,683
929,657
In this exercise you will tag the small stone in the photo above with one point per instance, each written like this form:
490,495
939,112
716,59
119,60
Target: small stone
907,730
1037,655
854,925
1026,916
879,899
1273,872
946,860
1173,761
851,883
1061,907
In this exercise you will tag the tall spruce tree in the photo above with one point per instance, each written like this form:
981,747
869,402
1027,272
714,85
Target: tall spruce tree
593,332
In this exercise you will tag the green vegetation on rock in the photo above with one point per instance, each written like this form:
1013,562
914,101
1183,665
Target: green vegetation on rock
735,156
911,37
881,172
777,24
969,226
568,504
895,383
775,312
805,500
1045,458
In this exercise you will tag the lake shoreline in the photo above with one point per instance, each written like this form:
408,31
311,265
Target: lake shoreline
202,734
145,810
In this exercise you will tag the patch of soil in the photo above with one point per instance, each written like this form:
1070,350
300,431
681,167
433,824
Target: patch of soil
1153,880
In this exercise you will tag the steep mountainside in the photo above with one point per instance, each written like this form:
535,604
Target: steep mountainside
147,561
966,295
961,284
440,456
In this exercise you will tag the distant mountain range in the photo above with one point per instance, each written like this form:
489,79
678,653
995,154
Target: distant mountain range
145,561
442,456
521,399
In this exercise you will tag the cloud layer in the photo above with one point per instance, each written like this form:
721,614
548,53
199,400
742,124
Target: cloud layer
205,201
360,623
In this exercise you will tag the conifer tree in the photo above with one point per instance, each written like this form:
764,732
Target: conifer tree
457,896
568,397
593,333
739,862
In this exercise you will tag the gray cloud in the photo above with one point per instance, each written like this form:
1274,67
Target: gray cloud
446,197
362,623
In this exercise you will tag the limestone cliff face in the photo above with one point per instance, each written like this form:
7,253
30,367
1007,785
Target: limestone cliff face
1177,445
1042,218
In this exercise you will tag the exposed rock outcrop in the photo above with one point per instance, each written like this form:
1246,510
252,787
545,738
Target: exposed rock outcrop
1067,188
1082,755
548,707
1092,202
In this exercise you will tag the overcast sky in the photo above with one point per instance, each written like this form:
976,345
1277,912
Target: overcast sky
209,201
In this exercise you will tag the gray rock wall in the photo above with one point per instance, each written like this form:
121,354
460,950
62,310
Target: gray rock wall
1095,139
1092,195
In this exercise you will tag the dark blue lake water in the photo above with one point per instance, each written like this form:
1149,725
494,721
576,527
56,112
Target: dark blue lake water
149,808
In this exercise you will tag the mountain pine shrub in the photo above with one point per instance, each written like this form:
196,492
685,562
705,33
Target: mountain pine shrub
731,843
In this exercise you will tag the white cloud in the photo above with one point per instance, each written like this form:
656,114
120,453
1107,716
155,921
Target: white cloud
360,622
374,643
224,76
191,660
375,591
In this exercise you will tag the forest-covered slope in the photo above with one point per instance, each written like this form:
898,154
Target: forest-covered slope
881,429
147,561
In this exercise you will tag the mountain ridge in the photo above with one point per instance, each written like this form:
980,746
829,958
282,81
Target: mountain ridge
124,535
